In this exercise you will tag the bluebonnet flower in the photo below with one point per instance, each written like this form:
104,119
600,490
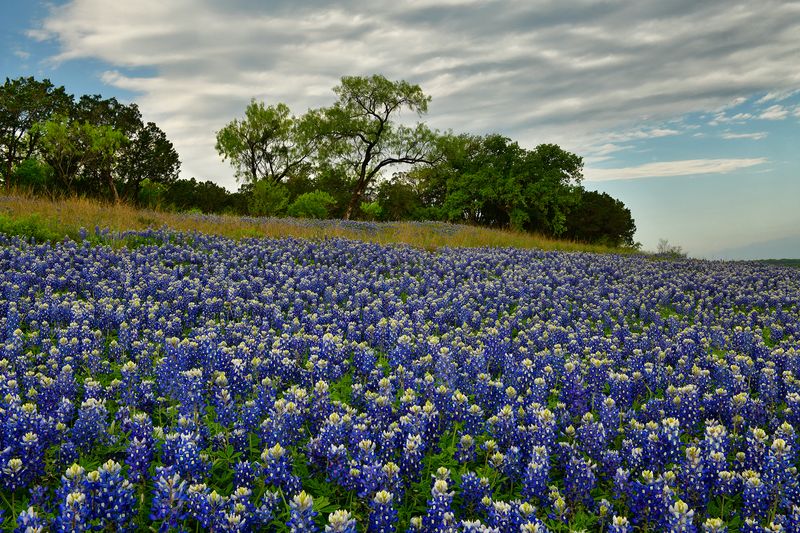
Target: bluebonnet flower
301,518
15,474
579,480
170,494
383,516
112,496
695,478
74,513
619,524
714,525
681,517
29,521
277,469
648,500
755,495
439,517
411,458
537,475
91,424
465,449
340,522
591,436
138,458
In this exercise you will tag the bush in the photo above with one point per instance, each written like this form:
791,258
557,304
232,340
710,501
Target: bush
315,204
151,193
268,199
33,175
671,251
28,227
371,210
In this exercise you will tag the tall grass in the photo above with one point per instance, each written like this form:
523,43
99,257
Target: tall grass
46,219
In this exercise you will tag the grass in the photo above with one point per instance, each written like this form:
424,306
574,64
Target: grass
51,220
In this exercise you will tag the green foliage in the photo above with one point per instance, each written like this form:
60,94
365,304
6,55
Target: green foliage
71,147
492,181
33,175
359,133
315,204
599,218
96,147
29,227
151,193
398,199
371,210
268,198
267,144
203,197
25,102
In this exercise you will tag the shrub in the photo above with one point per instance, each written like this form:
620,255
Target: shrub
315,204
671,251
268,199
371,210
151,193
33,175
28,227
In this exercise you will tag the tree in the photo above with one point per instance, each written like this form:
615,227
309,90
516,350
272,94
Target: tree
268,143
492,181
25,102
207,196
360,133
600,218
268,198
398,199
71,147
670,251
149,155
62,147
314,204
33,175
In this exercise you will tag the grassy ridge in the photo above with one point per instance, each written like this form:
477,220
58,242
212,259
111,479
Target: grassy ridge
45,219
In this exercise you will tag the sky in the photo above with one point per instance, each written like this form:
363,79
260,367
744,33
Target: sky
688,112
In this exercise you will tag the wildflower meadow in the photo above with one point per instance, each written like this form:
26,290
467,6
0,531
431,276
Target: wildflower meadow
181,381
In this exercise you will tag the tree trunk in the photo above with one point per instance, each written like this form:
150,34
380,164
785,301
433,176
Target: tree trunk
8,175
112,186
351,206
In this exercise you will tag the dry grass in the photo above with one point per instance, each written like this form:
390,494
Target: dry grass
67,216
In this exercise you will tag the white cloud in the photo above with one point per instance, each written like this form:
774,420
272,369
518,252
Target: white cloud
688,167
775,112
756,136
565,72
777,96
722,118
22,54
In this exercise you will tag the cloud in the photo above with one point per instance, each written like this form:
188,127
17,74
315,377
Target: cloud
777,96
722,118
775,112
756,136
688,167
22,54
568,72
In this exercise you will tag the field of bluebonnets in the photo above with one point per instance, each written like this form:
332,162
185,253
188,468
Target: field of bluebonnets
191,382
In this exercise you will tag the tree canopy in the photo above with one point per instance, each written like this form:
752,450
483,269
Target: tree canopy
367,154
92,145
268,143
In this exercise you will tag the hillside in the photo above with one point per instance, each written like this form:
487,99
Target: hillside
54,219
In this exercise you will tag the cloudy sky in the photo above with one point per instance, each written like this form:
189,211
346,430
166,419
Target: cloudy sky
687,111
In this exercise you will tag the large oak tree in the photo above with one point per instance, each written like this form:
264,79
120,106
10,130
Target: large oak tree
361,134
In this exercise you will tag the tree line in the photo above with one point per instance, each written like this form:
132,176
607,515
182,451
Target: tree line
360,157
